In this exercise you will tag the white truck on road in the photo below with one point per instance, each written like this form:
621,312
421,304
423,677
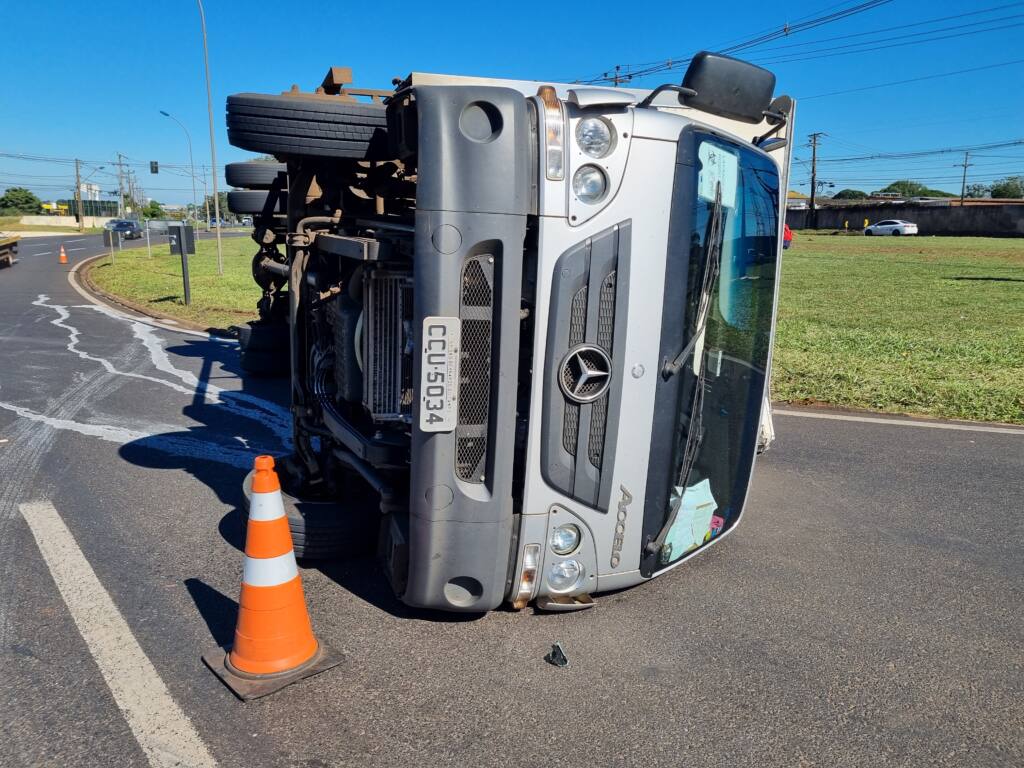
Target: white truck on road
529,324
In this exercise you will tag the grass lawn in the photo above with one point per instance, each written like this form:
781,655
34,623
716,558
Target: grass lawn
155,284
931,325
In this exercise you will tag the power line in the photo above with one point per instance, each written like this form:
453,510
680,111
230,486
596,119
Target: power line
872,47
874,32
786,30
923,152
912,80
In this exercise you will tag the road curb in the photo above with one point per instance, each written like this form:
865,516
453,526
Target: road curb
78,278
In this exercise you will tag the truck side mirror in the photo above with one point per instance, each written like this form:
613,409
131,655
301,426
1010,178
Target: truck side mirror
728,87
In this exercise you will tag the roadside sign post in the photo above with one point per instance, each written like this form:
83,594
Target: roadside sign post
183,242
149,248
108,240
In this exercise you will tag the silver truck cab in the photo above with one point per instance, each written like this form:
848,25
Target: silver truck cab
572,331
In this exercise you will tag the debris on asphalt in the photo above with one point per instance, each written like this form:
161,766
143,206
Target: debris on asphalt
557,657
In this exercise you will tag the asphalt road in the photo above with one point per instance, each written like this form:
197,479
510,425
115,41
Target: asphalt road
866,612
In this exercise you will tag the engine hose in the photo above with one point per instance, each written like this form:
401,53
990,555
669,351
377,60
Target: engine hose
358,342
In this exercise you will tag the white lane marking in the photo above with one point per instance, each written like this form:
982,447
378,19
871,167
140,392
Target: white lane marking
41,253
29,444
171,443
83,248
76,240
901,422
160,726
241,404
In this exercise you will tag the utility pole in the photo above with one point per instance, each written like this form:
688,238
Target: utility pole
812,215
213,144
78,194
963,184
120,187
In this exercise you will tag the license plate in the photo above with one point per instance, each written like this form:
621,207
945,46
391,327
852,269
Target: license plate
439,374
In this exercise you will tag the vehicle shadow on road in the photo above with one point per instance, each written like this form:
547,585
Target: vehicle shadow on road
218,451
229,431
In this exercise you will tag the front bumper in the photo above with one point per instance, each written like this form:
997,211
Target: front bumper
468,262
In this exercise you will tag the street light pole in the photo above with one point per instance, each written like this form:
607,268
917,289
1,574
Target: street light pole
213,144
78,195
192,165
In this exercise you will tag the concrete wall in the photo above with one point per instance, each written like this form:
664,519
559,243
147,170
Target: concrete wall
65,221
983,220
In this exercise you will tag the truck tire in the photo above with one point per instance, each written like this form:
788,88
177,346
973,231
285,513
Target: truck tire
263,349
255,201
320,530
307,125
255,175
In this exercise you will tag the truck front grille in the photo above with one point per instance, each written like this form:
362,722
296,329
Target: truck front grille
476,311
605,339
587,307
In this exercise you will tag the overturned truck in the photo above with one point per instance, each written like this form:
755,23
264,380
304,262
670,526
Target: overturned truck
528,325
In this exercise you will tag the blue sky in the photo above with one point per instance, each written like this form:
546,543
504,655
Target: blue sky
88,80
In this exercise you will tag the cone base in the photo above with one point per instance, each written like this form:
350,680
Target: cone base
247,687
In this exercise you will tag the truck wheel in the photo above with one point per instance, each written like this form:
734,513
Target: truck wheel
321,530
255,175
307,125
255,201
263,349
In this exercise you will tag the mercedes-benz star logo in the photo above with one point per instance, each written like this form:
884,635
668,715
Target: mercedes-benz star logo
586,373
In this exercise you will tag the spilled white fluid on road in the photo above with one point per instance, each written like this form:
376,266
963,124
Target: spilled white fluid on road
170,444
171,441
277,418
242,404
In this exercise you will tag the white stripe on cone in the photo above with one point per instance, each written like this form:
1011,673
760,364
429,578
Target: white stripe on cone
266,506
270,571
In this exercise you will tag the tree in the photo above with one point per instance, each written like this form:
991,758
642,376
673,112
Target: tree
20,200
223,197
152,210
908,188
1011,186
978,190
849,194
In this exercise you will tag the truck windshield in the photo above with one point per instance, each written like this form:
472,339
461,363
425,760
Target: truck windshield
727,317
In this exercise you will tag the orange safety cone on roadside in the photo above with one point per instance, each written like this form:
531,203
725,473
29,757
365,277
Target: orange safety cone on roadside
274,643
63,256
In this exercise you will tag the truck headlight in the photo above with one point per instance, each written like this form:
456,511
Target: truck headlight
589,184
565,575
565,538
594,136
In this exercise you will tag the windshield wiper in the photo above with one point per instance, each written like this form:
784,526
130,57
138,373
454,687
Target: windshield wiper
712,258
694,437
695,432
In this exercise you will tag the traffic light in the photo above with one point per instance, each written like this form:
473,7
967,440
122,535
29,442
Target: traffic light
154,166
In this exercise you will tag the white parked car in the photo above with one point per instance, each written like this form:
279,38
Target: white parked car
892,227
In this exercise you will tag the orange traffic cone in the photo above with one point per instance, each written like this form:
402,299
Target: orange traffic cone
63,256
274,643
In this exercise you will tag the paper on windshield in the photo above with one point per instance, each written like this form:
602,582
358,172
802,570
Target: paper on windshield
693,522
718,166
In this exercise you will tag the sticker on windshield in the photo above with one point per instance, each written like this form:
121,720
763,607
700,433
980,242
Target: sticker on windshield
717,165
